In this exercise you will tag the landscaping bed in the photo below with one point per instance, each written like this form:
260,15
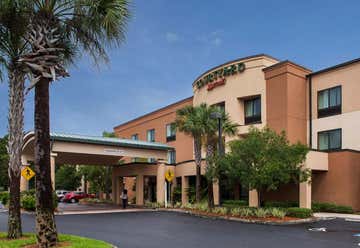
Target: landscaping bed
266,215
69,241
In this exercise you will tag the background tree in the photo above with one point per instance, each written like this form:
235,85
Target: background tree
14,19
264,160
4,161
67,177
99,177
57,31
188,120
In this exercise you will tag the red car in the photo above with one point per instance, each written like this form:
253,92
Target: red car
75,196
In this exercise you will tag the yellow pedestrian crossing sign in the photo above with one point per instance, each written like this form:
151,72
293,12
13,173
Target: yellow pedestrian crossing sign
27,173
169,175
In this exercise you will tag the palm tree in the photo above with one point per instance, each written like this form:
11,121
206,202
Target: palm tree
188,121
59,30
209,127
13,22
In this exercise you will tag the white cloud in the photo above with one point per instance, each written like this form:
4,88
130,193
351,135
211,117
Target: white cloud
172,37
213,38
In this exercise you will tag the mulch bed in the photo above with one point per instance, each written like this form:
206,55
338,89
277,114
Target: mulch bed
270,219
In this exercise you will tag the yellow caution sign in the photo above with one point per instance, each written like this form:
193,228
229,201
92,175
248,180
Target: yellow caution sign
169,176
27,173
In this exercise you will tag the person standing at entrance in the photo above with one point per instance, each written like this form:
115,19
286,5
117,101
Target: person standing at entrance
124,198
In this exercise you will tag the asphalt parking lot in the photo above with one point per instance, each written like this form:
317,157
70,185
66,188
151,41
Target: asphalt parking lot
161,229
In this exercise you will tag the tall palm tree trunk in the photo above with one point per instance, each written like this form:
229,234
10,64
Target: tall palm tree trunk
16,124
197,148
46,233
209,154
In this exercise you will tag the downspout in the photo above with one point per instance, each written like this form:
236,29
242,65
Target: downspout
310,111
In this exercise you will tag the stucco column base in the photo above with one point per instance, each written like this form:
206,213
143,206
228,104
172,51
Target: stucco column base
140,190
305,194
184,188
160,183
216,191
253,198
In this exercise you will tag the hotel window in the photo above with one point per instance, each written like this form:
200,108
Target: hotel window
329,102
135,137
151,135
170,132
329,140
171,157
252,109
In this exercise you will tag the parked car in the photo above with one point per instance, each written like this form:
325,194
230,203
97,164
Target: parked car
75,196
60,194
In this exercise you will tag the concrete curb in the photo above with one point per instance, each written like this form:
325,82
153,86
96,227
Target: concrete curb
273,223
104,211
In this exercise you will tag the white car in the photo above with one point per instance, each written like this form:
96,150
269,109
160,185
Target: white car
60,194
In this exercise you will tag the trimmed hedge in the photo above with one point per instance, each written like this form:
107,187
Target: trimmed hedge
4,197
331,208
315,206
283,204
299,212
235,203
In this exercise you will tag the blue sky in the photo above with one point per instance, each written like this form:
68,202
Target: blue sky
170,43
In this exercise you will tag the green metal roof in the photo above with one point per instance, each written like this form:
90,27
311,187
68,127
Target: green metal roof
109,141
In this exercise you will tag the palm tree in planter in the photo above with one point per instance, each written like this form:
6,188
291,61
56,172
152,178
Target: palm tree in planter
13,22
188,120
210,128
58,31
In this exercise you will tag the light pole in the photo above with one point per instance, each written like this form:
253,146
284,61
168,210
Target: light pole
218,116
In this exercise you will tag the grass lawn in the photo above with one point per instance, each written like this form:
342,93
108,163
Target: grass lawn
72,241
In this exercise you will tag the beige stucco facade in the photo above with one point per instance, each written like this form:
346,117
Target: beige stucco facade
284,91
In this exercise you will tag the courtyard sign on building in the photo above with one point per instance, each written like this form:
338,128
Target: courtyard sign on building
218,77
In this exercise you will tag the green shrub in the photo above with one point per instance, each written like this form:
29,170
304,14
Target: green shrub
331,208
235,203
154,205
281,204
277,212
299,212
220,210
261,212
203,206
242,211
28,202
4,197
176,194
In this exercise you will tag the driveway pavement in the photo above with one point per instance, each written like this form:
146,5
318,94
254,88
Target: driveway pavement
165,229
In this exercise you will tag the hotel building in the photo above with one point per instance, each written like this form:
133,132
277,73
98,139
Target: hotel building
320,109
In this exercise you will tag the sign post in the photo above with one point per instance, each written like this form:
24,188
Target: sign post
169,176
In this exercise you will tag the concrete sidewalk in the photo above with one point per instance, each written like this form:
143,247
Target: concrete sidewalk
348,217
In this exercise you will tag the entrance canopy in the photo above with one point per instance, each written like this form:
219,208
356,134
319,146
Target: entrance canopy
92,150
